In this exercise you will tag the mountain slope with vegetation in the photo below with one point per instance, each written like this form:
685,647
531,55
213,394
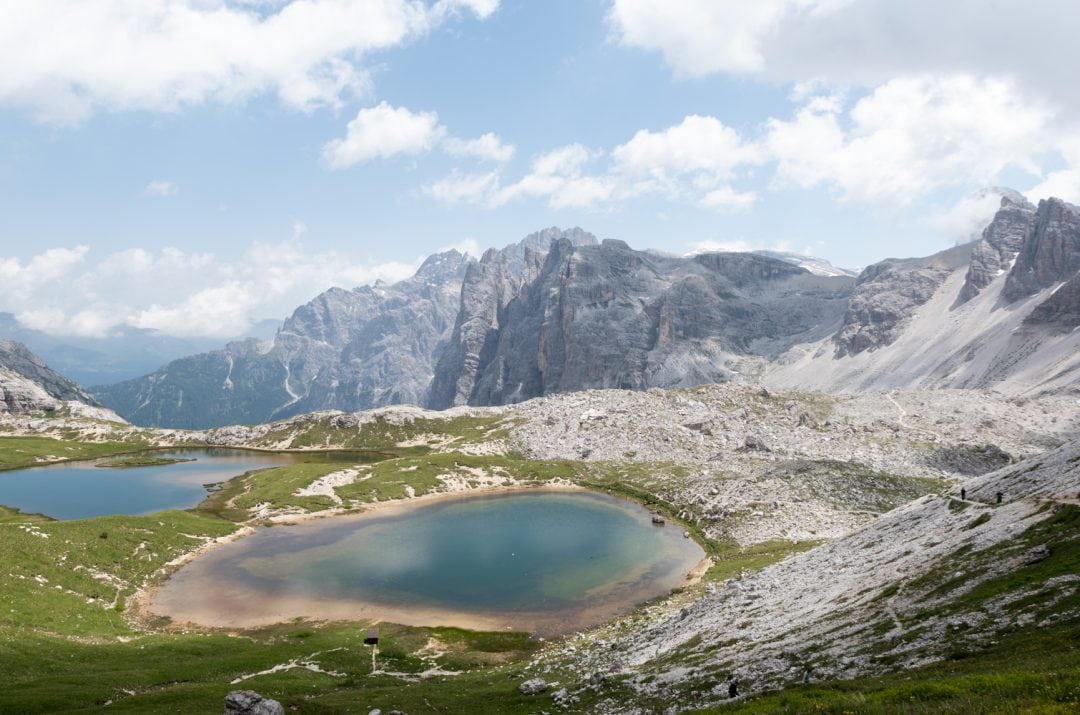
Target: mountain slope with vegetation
897,578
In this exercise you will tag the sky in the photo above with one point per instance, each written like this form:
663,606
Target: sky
194,166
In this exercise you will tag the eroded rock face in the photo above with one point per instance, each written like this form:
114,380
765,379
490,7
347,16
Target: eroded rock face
887,294
1061,310
607,316
1001,241
488,287
1050,254
28,385
346,349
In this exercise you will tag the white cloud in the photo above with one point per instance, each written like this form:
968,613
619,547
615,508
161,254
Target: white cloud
740,245
728,199
382,132
464,188
19,281
697,144
699,37
965,220
737,245
694,158
487,146
864,42
222,310
64,61
893,146
911,136
559,176
1062,183
63,291
160,189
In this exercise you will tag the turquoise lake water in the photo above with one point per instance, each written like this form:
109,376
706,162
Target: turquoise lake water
77,490
550,561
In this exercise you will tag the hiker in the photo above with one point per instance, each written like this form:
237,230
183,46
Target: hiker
963,494
733,688
999,495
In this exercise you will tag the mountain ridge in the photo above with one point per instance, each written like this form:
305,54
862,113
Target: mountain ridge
561,311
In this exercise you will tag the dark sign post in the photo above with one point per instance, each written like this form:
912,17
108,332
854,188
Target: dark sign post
372,640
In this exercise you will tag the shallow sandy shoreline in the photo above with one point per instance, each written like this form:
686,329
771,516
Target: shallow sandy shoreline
141,605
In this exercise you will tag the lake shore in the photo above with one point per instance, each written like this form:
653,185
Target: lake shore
242,610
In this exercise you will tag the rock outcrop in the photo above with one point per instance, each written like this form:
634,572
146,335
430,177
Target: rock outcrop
612,317
248,702
558,312
886,296
1050,255
27,384
489,286
1001,241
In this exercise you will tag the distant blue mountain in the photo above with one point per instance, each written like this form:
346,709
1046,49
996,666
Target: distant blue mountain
129,353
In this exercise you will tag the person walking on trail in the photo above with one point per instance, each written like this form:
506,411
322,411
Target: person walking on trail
733,688
963,494
999,496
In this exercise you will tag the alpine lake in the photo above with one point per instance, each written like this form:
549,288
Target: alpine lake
538,560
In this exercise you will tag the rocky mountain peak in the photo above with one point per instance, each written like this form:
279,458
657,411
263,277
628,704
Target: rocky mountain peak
541,240
1001,240
1050,253
442,266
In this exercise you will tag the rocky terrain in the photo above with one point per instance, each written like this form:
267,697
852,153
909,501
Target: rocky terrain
1000,313
744,464
900,570
910,588
29,386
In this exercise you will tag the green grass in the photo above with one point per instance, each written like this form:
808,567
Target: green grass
1029,671
67,577
11,515
193,673
276,486
730,560
18,452
65,590
382,434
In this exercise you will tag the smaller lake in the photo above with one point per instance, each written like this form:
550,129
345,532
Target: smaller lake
79,490
544,562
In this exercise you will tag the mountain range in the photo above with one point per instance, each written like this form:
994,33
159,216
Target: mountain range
125,353
561,311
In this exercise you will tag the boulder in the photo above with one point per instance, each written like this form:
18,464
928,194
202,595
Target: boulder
533,686
248,702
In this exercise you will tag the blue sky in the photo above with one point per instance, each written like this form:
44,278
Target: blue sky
195,165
